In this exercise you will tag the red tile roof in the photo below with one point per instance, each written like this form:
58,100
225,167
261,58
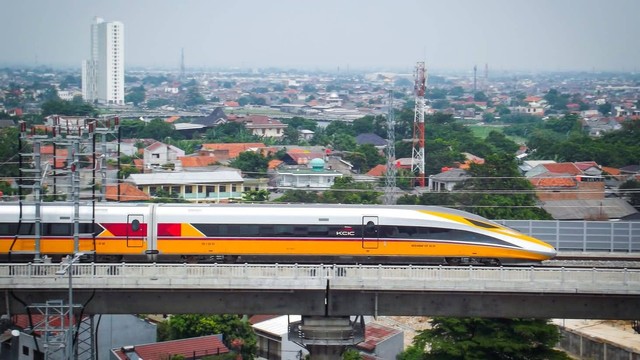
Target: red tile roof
584,165
552,182
274,163
378,170
234,148
197,161
374,334
611,170
200,346
128,192
563,168
171,119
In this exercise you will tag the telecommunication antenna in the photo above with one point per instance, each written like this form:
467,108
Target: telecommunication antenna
390,174
182,63
417,157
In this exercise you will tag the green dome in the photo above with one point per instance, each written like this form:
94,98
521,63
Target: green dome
317,164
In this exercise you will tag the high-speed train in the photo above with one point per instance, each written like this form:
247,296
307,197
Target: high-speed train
295,233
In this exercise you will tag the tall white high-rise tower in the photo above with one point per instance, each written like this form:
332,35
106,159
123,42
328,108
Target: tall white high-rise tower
103,73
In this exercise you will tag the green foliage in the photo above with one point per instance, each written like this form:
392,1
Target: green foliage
300,123
252,164
496,190
478,338
136,95
157,129
163,196
299,196
501,142
631,191
556,100
346,191
351,354
156,103
480,96
252,100
155,80
70,108
255,195
605,109
193,97
231,132
364,157
231,327
9,152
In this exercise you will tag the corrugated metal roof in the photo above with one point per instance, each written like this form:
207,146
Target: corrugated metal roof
179,178
277,326
588,209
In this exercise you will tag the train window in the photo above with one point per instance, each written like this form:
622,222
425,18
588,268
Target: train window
8,228
26,229
300,231
58,229
135,225
320,230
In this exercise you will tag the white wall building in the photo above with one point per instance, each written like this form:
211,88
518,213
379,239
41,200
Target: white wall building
103,73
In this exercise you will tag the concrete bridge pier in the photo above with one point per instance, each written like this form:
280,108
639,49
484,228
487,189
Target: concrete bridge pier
326,337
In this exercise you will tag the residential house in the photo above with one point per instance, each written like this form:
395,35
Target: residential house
263,126
230,151
315,177
273,338
447,180
206,186
216,118
192,348
159,154
381,342
372,139
111,331
567,181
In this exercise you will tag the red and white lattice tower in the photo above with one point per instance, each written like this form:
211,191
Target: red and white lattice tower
417,156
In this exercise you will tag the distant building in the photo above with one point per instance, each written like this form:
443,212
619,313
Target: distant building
316,177
206,186
103,73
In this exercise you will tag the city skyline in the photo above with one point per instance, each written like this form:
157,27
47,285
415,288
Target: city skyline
562,35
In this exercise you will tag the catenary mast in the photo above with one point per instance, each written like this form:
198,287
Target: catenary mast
417,157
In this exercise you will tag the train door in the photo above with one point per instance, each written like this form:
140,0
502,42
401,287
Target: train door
136,230
370,233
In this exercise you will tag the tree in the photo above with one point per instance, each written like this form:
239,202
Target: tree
157,129
300,197
480,96
255,195
9,152
232,327
605,109
194,98
477,338
631,191
346,191
252,164
71,108
136,95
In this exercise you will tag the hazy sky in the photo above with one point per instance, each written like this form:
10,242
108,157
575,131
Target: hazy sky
356,34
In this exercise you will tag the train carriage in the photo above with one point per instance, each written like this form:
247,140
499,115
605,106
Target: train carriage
265,232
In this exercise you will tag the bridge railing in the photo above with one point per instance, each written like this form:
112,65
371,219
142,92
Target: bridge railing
340,277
